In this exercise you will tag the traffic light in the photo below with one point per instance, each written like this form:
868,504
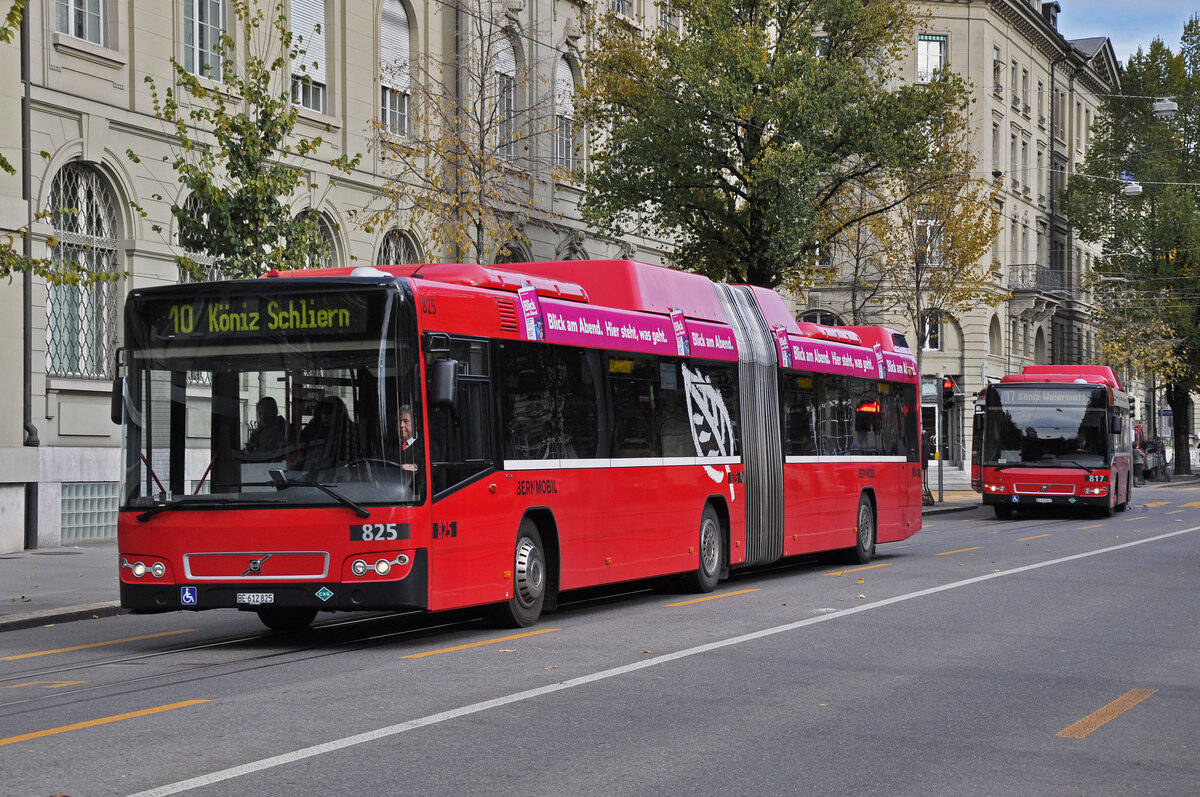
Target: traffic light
949,391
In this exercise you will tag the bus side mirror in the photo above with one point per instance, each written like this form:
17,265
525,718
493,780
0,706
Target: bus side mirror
443,387
118,400
116,408
1117,425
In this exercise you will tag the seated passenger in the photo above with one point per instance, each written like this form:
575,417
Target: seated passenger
267,438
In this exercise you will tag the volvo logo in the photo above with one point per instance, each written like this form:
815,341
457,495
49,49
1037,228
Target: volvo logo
254,568
1044,488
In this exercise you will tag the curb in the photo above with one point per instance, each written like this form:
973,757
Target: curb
65,614
946,508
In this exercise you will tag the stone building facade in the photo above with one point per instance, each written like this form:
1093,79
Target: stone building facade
88,103
1035,96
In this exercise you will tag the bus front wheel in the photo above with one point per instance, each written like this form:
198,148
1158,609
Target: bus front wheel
286,619
712,554
529,581
1003,511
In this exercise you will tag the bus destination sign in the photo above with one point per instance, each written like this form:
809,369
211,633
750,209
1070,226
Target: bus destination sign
1064,396
324,314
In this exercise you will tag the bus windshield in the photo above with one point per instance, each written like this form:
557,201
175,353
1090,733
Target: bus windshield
1049,426
248,393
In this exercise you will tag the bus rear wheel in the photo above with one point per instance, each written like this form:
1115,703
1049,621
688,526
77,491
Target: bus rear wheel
712,554
864,532
287,619
529,581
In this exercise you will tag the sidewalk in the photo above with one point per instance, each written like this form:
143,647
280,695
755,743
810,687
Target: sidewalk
55,585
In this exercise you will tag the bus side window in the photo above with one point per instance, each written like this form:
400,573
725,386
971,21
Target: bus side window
460,439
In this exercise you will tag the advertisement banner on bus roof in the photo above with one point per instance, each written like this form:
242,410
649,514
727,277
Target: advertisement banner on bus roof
583,325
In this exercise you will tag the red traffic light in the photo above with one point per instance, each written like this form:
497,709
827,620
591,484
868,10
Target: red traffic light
948,384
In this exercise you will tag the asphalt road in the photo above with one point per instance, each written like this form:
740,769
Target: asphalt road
1057,654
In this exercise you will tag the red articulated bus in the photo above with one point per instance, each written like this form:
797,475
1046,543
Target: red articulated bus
1056,435
453,435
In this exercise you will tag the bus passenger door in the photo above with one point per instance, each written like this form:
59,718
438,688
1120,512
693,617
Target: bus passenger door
471,540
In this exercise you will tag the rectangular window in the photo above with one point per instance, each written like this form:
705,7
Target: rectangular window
506,99
1025,89
931,56
82,19
308,69
668,17
564,141
1041,108
624,7
203,24
393,112
996,166
1013,87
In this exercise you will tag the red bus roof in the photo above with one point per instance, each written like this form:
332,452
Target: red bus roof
1091,374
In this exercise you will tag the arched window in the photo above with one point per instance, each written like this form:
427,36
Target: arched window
564,115
995,340
398,249
513,252
506,99
823,317
330,257
202,259
394,75
81,328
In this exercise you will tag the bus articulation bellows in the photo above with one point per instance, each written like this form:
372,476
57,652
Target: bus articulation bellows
451,435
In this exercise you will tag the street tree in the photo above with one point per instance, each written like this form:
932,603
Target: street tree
467,163
237,151
940,265
736,139
1152,237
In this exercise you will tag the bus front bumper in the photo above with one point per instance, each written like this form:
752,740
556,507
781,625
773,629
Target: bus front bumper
411,592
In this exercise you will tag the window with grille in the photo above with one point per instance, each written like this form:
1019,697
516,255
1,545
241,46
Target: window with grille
397,249
327,260
506,101
81,327
394,78
929,239
622,6
81,19
203,24
308,69
931,56
564,116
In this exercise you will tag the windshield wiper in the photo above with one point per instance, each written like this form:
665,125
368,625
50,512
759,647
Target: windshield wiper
283,482
1076,464
174,504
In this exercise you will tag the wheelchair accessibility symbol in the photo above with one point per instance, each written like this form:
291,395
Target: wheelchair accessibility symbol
187,596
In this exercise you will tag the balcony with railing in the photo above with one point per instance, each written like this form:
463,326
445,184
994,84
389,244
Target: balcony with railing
1026,277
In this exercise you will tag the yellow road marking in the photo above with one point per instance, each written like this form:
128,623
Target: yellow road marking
97,644
1191,503
47,684
1093,526
1158,503
858,569
478,644
1110,712
1034,537
960,550
713,597
1175,511
25,737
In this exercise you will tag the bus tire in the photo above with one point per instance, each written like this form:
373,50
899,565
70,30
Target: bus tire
864,532
1123,505
529,581
287,619
1003,511
711,546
